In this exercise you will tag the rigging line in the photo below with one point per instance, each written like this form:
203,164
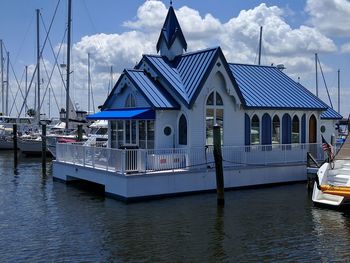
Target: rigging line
18,83
48,83
24,38
324,81
14,100
16,79
54,96
91,21
19,89
50,26
58,52
30,85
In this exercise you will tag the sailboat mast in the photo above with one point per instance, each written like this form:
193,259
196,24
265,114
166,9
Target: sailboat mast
7,82
68,59
316,66
26,89
2,78
89,84
338,90
38,62
260,43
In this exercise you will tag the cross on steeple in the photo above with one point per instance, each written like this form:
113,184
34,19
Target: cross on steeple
171,3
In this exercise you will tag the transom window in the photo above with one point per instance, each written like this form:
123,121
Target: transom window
214,115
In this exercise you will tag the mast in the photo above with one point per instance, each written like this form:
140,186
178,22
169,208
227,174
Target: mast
111,86
26,90
38,63
68,59
316,66
260,43
7,82
89,84
338,90
2,78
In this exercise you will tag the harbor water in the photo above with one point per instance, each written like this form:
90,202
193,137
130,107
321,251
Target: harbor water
46,221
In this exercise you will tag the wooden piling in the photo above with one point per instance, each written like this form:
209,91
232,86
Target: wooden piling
218,166
15,146
80,132
43,148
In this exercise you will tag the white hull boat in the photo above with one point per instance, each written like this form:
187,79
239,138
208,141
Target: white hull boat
332,186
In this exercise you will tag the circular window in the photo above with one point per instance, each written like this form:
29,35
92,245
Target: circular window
323,128
167,130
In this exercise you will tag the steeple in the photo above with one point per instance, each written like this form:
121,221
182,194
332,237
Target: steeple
171,41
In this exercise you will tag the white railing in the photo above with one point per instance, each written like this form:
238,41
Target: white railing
143,160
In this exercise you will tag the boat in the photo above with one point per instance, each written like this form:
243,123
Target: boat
332,185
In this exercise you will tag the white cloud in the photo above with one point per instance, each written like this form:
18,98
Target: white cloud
238,38
345,48
331,17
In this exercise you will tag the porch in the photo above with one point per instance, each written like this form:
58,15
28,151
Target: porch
141,161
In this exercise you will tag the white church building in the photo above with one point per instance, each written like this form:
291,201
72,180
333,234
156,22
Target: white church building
161,116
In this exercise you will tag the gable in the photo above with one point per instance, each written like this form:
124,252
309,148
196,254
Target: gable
186,75
153,94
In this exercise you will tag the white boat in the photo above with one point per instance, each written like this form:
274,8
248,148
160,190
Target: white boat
332,185
31,145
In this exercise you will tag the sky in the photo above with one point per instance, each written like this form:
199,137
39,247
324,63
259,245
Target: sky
117,33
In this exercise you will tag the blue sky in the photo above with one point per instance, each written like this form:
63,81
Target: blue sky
116,33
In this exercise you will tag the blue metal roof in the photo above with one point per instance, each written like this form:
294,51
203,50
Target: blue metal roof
331,114
269,87
156,96
124,114
171,30
186,73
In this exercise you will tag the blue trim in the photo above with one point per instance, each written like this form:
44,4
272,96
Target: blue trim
286,129
124,114
303,129
246,129
266,130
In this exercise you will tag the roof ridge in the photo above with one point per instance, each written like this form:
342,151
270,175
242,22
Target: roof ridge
251,65
186,54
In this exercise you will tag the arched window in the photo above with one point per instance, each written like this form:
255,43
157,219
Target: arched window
295,129
255,130
266,129
130,101
182,130
286,129
214,115
276,130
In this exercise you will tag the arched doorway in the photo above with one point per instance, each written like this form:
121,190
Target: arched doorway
312,129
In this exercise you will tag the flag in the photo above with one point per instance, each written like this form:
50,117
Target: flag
327,148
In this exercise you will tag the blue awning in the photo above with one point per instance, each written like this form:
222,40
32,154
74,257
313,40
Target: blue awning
124,114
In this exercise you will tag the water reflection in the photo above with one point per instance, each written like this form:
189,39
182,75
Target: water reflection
42,220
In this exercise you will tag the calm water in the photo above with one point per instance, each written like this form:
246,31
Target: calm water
46,221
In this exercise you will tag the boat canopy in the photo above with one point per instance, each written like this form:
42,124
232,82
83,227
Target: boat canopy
124,114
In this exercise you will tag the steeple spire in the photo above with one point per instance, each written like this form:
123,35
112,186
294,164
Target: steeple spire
171,41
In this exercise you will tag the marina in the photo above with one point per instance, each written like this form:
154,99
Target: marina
44,220
167,141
